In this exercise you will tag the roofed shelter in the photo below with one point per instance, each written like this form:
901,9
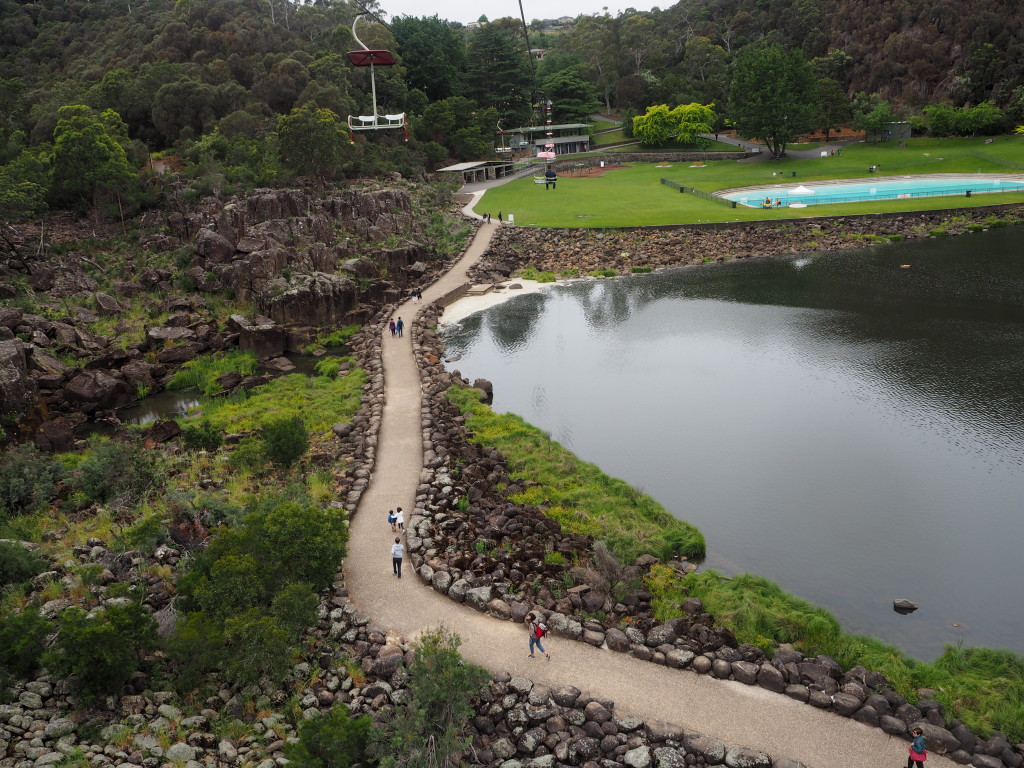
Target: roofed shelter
481,170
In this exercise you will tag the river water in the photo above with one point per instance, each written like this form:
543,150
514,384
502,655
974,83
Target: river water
847,426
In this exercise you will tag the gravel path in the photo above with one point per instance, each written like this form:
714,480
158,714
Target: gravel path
736,713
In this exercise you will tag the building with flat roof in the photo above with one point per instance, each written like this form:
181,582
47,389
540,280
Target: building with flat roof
480,170
566,139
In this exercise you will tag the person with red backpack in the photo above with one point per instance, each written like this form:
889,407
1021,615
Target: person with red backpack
537,630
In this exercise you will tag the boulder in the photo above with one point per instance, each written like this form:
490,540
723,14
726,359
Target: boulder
57,435
180,353
213,247
92,390
266,341
640,757
901,605
616,640
107,305
937,738
771,679
745,757
158,338
708,747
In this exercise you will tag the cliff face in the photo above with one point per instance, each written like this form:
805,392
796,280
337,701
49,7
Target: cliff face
305,262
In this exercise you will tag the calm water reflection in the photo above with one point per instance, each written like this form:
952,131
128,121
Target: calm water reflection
849,428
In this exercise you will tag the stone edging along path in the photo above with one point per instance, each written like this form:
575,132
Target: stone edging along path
407,439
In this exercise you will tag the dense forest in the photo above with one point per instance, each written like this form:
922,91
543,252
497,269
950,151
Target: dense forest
242,92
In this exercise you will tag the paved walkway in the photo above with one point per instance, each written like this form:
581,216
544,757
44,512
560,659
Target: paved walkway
733,712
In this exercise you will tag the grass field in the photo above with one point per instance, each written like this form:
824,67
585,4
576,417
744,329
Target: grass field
635,197
603,125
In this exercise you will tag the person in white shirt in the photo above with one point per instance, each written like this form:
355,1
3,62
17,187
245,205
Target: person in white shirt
397,552
400,519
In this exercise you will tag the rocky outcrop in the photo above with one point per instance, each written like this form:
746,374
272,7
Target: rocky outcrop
17,389
316,299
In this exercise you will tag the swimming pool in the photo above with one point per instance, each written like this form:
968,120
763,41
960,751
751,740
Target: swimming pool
796,195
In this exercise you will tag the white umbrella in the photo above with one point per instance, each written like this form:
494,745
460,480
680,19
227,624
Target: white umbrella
801,190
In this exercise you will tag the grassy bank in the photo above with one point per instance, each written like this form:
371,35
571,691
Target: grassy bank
577,494
635,197
982,687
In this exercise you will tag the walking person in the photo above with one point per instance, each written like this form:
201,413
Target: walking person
499,217
537,630
400,519
391,521
399,326
397,552
391,327
419,295
918,753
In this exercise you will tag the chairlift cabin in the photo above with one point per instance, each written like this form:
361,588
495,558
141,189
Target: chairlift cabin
372,58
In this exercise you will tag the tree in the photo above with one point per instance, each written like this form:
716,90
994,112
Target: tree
871,113
335,740
593,38
183,109
258,646
983,118
430,732
459,125
498,74
572,96
684,124
833,106
773,95
433,53
298,543
102,649
87,159
314,142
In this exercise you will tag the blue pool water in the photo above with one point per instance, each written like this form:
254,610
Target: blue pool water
860,190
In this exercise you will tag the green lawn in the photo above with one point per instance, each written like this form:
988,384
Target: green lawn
600,139
635,196
603,125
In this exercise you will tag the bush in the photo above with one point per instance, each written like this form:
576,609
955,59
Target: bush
103,650
332,741
258,646
18,564
298,543
641,270
201,436
28,482
114,469
22,637
295,606
146,534
431,730
285,439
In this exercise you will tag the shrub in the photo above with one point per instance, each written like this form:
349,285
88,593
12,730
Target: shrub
102,650
285,439
146,534
431,730
248,454
114,469
335,740
298,543
201,436
22,637
641,270
18,564
295,605
554,558
604,273
258,646
938,232
28,482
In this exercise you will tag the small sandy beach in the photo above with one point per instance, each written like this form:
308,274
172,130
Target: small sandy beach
469,305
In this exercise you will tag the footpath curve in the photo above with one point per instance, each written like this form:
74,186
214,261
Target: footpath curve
727,710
